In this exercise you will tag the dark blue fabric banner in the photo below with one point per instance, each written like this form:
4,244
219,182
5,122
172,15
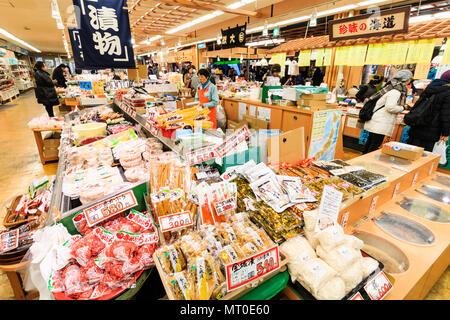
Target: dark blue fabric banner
77,51
105,34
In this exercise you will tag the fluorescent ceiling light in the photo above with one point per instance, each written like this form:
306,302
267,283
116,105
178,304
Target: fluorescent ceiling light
425,7
426,17
12,37
196,21
442,15
265,42
336,10
369,2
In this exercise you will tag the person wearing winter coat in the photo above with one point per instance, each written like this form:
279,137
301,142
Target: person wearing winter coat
368,89
45,88
439,128
391,101
59,75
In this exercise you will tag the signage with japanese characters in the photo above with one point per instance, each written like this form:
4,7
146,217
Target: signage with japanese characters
242,272
175,221
77,50
9,240
234,37
369,25
104,30
378,287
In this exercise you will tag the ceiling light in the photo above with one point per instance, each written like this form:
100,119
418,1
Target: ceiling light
369,2
12,37
426,17
265,42
196,21
336,10
442,15
426,6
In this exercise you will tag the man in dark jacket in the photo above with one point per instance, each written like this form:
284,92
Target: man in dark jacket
368,89
317,77
58,75
439,128
45,88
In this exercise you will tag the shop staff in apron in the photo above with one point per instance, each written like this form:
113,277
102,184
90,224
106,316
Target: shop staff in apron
207,95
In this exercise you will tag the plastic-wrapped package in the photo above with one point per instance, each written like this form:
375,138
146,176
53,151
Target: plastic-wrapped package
72,280
202,278
268,189
298,249
353,242
312,237
352,275
315,274
368,266
91,245
93,272
171,259
339,258
230,254
293,187
332,290
331,237
135,174
179,285
310,218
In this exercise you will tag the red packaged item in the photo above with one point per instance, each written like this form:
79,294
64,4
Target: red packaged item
56,282
123,224
141,220
92,272
72,280
86,293
132,265
121,250
91,245
101,290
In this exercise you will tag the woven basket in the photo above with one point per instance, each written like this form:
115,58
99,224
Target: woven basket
8,220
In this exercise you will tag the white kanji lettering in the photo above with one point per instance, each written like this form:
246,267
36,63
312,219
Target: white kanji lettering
104,18
107,43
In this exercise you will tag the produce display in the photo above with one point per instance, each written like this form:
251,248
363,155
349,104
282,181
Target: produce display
46,123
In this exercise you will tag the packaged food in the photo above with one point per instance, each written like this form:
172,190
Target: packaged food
331,237
179,285
202,278
332,290
339,258
310,218
352,276
171,259
298,249
268,190
315,274
353,242
368,266
230,254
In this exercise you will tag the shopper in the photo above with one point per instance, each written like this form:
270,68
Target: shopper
439,128
59,75
365,91
45,88
187,77
273,72
195,82
207,95
317,77
155,70
391,100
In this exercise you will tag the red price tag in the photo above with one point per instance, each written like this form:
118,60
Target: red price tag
110,207
357,296
378,287
232,142
9,240
225,206
242,272
198,156
175,221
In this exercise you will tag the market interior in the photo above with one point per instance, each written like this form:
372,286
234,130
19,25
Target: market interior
164,137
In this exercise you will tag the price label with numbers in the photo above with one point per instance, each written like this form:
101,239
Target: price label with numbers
9,240
378,287
416,175
200,155
225,206
397,186
242,272
175,221
357,296
110,207
344,219
232,142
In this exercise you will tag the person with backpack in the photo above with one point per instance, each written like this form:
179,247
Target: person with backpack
365,91
390,101
429,118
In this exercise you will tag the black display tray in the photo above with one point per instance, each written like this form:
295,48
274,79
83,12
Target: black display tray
306,295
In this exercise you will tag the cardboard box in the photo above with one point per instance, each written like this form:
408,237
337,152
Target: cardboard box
314,96
287,103
51,143
402,150
312,103
233,125
50,153
287,147
255,123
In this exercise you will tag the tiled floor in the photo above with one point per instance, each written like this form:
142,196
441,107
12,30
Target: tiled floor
20,164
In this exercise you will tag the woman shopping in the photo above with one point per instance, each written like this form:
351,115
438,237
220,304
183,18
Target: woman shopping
207,95
45,88
391,100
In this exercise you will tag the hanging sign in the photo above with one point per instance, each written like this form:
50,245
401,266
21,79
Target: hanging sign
104,29
77,50
369,25
234,37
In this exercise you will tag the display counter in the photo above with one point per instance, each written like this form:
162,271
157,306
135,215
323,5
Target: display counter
285,119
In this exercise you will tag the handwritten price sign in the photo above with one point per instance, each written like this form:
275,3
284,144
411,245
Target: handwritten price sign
242,272
232,142
110,207
225,206
198,156
175,221
378,287
9,240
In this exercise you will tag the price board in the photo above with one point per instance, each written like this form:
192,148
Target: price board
233,141
200,155
225,206
378,287
175,221
9,240
242,272
110,207
86,87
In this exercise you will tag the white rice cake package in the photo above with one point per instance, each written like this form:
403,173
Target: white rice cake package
368,265
331,237
312,237
352,276
332,290
310,218
298,249
315,274
339,258
354,242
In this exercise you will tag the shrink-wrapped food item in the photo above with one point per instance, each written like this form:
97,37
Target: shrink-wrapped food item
352,276
331,237
315,274
332,290
180,285
368,266
339,258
